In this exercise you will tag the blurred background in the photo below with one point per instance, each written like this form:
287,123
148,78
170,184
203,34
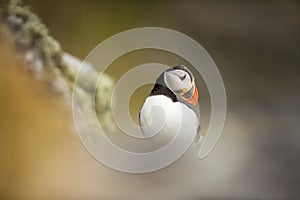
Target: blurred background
255,45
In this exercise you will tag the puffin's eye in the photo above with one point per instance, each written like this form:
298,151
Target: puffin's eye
182,77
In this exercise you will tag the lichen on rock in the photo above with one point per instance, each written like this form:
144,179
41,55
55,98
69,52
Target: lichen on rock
44,56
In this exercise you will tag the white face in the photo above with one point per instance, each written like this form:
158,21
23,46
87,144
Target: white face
177,80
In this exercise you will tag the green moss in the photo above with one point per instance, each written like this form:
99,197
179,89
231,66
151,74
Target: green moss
32,38
30,32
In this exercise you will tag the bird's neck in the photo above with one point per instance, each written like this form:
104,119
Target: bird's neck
160,88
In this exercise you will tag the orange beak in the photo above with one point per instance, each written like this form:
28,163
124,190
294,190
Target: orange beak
194,99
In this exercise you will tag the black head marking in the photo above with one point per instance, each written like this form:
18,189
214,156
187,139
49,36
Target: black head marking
184,68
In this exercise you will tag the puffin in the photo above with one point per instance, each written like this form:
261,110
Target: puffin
169,106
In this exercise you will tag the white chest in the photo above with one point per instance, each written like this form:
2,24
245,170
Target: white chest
162,117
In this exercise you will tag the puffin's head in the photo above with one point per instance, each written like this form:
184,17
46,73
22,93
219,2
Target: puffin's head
180,80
